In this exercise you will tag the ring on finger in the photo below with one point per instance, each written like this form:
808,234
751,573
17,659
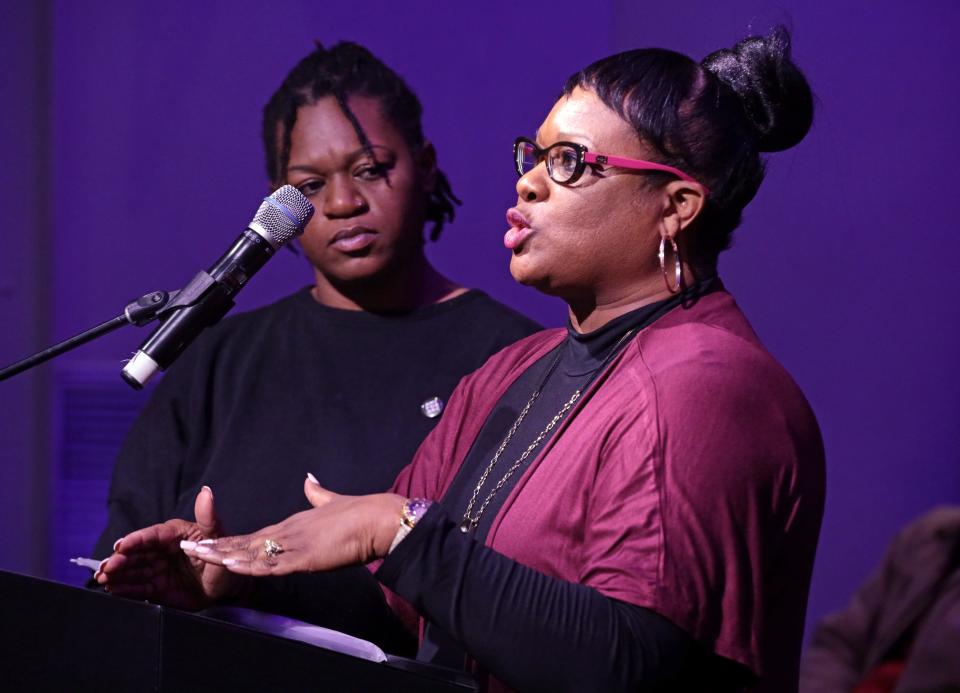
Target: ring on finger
272,548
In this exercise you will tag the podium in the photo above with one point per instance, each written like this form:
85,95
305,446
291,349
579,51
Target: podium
61,638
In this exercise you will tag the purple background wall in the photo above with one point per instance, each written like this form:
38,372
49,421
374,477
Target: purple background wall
131,157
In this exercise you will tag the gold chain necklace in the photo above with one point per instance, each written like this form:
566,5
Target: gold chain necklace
471,521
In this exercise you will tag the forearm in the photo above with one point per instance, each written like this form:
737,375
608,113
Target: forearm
530,630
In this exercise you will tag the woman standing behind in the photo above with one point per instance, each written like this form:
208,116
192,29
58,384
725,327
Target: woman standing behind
344,378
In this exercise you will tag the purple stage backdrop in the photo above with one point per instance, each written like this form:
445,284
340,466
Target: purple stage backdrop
131,157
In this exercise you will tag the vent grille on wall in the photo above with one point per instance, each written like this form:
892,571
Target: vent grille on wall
93,410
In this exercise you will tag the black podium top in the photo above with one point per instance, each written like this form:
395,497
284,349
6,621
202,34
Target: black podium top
58,638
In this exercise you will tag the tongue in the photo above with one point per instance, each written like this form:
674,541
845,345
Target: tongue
513,237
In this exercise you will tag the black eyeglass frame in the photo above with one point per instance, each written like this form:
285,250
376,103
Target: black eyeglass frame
584,157
541,155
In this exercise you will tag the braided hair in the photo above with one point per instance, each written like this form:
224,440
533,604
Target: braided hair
344,70
711,119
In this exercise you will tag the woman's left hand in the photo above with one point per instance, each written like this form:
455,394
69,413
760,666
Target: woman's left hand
338,531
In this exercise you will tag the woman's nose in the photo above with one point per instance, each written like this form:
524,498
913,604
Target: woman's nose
532,186
342,200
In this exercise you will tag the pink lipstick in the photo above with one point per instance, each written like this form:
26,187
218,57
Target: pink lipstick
518,231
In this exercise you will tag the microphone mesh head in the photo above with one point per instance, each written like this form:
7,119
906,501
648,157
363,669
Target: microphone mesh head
283,215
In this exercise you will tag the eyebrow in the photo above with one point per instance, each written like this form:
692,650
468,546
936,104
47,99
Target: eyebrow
350,158
567,137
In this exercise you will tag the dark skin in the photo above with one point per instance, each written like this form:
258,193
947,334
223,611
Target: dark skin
593,243
171,562
365,243
358,530
147,564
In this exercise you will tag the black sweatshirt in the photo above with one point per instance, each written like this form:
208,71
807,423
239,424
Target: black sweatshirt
295,387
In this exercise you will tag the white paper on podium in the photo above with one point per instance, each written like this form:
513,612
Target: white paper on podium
293,629
336,641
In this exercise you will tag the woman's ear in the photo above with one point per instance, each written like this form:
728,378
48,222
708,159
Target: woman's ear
425,161
684,202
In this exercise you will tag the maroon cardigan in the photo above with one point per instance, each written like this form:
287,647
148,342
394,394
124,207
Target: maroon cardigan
689,479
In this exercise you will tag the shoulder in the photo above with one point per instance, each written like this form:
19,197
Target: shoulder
471,328
719,395
263,320
924,550
510,361
260,318
235,337
488,313
938,527
711,349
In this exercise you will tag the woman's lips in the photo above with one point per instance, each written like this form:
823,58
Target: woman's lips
352,240
518,231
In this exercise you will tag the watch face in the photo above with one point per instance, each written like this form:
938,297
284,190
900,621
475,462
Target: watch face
415,508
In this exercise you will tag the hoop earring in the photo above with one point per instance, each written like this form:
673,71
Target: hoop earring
678,270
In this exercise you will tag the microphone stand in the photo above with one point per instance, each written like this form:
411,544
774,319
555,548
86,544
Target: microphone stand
141,312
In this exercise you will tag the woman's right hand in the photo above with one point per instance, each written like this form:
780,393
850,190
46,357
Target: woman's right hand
148,564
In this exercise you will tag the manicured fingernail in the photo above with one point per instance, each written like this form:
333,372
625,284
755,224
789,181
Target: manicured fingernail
313,479
206,542
116,544
188,545
202,549
208,490
96,575
229,561
102,563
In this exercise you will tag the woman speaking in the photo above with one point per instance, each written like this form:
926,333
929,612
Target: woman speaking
633,502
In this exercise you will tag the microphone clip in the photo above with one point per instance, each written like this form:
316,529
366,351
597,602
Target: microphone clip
158,304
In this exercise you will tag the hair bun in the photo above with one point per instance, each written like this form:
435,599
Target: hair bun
774,93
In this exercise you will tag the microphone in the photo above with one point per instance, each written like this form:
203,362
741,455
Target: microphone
209,295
